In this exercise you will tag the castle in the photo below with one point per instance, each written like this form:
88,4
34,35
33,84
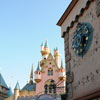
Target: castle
4,90
50,78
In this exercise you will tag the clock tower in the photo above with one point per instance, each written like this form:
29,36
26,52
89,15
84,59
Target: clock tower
80,28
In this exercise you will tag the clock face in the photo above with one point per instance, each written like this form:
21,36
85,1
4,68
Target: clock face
82,38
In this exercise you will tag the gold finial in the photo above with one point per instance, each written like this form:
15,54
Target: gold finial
31,75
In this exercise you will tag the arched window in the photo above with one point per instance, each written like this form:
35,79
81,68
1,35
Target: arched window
50,87
46,89
50,72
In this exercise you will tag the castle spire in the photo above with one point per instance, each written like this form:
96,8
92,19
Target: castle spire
31,75
56,48
17,87
38,68
61,64
42,44
16,91
46,44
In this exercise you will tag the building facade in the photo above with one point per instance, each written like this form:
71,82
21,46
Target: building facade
4,90
51,78
80,28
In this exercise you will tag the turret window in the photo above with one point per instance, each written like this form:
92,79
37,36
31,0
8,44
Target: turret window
50,72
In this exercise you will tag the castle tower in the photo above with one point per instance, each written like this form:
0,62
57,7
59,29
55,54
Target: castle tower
31,75
16,91
62,72
57,57
38,74
3,88
45,50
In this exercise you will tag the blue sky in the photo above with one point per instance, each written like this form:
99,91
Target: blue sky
24,25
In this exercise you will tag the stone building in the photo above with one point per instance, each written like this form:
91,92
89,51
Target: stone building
4,90
80,28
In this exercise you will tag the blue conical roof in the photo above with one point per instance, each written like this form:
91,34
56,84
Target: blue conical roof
61,64
10,92
17,87
38,68
46,44
2,82
56,48
42,44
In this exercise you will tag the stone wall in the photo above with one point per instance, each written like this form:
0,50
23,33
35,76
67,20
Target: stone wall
86,69
1,98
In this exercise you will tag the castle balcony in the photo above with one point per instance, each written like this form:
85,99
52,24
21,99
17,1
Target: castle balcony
62,74
37,77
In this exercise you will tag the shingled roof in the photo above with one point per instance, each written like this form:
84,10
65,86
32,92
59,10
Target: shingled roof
30,87
10,92
2,82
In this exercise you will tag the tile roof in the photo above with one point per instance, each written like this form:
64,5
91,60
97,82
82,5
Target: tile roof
30,87
10,92
2,82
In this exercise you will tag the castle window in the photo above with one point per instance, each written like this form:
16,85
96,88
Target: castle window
50,72
50,63
46,89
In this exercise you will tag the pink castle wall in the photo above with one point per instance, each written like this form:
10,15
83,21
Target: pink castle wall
45,77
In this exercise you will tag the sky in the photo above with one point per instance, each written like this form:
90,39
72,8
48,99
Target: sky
24,25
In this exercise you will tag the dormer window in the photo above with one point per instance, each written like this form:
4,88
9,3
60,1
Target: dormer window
50,72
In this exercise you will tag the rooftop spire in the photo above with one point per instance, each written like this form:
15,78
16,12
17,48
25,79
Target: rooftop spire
42,44
61,64
31,75
46,44
17,87
56,48
38,68
2,82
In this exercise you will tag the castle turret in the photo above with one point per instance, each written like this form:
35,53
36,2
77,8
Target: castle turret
31,75
62,71
16,91
45,50
38,74
57,57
